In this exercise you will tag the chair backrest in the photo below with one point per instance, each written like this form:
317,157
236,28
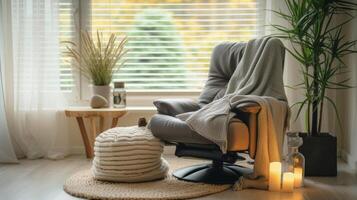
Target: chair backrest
224,60
260,72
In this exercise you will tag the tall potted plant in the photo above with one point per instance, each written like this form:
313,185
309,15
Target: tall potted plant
98,60
318,44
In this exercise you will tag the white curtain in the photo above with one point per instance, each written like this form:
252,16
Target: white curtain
7,154
35,101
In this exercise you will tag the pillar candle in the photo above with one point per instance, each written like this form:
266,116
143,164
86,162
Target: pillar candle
288,182
274,176
298,179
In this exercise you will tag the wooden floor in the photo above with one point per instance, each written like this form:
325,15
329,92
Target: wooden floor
43,179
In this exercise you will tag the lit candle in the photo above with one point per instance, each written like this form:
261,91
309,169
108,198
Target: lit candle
298,180
274,176
288,182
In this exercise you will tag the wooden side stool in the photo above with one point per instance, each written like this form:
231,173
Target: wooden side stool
92,114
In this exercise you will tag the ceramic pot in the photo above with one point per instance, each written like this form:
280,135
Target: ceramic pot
102,90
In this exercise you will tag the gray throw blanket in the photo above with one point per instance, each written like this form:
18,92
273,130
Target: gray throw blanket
257,78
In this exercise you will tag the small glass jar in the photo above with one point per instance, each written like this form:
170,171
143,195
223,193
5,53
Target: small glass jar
295,161
119,95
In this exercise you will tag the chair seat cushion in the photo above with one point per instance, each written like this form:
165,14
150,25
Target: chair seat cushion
174,107
174,130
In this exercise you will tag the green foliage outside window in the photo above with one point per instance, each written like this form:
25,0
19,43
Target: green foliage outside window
157,45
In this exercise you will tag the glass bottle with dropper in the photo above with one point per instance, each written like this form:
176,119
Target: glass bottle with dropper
295,160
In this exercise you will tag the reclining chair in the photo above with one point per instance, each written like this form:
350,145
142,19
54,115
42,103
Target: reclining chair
242,129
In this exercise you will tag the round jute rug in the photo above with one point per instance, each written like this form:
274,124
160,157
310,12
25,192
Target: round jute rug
83,185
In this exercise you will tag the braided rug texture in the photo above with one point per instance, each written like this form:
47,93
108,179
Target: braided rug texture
83,185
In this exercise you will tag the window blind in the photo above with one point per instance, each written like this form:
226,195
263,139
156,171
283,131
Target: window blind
170,41
67,32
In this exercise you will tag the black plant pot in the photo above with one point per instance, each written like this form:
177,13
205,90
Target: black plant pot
320,154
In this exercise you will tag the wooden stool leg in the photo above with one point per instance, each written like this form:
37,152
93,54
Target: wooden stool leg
101,124
93,129
115,121
85,138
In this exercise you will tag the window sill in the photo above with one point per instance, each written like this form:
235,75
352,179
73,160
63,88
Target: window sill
163,92
146,97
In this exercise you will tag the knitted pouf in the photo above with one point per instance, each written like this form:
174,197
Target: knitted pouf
128,154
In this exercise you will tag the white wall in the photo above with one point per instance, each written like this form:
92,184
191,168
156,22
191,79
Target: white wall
291,66
347,104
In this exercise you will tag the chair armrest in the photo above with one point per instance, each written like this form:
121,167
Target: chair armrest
249,107
174,107
251,110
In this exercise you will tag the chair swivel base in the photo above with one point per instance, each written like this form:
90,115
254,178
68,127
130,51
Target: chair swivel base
215,173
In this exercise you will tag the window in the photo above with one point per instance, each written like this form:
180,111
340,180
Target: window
67,33
170,41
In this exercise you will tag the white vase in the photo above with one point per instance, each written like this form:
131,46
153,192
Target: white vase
102,90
